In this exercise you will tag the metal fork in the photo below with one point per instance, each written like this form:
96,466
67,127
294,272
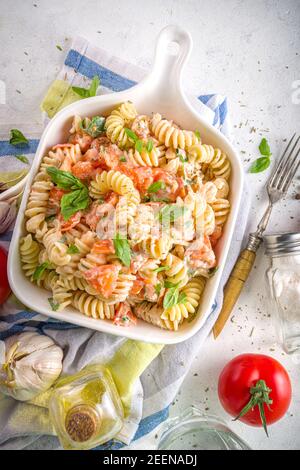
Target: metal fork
277,186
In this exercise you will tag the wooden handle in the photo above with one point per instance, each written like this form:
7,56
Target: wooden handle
233,288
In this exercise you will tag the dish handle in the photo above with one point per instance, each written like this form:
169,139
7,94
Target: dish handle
173,48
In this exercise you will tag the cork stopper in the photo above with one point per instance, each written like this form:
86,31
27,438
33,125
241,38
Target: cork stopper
81,423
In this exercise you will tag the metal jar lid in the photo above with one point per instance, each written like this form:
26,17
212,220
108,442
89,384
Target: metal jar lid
282,244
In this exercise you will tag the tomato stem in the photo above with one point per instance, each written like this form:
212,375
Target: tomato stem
260,395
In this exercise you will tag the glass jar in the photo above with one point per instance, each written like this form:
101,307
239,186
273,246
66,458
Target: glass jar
85,409
283,278
195,430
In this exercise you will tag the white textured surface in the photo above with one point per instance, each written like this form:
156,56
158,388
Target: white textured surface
247,50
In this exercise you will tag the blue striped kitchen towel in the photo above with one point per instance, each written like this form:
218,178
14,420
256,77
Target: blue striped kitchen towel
159,384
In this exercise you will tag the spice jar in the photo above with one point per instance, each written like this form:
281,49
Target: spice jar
283,278
85,409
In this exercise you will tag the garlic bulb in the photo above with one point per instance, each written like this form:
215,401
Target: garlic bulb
31,364
7,215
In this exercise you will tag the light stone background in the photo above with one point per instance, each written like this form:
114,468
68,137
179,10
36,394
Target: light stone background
248,50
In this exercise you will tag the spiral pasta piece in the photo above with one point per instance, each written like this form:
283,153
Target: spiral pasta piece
157,248
111,181
56,249
122,289
177,272
215,161
179,312
92,307
116,123
143,158
84,246
221,208
36,208
152,314
29,250
170,135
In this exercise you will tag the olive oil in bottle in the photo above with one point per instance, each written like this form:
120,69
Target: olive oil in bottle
86,409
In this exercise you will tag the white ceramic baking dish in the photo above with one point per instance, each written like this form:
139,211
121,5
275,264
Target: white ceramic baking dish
161,91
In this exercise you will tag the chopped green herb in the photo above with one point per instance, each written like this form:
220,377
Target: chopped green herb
54,305
17,138
154,187
171,285
181,298
39,271
168,214
212,271
22,158
158,288
182,157
123,159
88,92
139,146
95,127
49,218
59,47
170,298
161,268
131,135
149,146
197,134
72,249
122,249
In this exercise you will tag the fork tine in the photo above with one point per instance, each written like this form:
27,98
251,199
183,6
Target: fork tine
292,171
281,163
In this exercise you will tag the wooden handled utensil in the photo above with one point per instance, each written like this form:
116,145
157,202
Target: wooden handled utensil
277,187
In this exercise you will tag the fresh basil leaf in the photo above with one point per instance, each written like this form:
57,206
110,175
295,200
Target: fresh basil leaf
264,148
17,138
83,92
95,127
161,268
181,298
22,158
139,146
131,135
154,187
170,298
197,134
88,92
122,249
94,85
39,271
149,146
54,305
259,165
64,179
123,159
72,250
74,201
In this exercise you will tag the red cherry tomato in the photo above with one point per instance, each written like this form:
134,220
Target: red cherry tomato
4,285
255,388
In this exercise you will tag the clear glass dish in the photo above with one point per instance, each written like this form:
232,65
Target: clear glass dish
195,430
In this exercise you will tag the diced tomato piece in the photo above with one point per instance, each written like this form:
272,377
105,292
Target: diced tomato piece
103,247
214,237
95,158
124,315
83,170
142,177
112,155
136,287
84,141
56,194
103,278
74,220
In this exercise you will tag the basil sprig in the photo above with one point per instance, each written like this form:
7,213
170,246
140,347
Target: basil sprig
72,249
173,296
95,127
78,197
88,92
17,138
138,143
122,249
263,162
